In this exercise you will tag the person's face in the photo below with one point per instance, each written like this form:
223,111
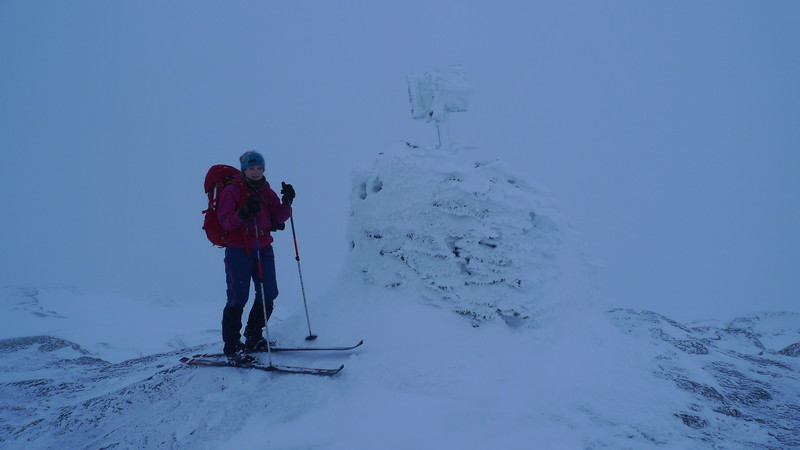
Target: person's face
254,173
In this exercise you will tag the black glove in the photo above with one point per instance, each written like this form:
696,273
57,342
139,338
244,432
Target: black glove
288,193
250,208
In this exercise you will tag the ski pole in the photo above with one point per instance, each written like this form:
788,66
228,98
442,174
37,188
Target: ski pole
260,286
311,336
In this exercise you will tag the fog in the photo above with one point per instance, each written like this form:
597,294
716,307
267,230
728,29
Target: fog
668,132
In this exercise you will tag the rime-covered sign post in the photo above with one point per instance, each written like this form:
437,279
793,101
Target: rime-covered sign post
437,93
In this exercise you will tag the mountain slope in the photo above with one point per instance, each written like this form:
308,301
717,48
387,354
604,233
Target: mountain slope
482,329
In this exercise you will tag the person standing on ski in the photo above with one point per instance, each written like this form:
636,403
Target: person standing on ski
249,242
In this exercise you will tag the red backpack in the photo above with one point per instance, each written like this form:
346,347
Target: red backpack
217,178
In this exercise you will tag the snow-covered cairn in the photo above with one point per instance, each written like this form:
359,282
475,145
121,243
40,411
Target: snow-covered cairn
475,237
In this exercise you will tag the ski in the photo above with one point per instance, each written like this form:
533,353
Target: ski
271,368
287,349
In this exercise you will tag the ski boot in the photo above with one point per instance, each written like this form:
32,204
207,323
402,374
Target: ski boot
238,356
254,340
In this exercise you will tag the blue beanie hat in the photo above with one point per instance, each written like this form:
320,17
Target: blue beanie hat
251,159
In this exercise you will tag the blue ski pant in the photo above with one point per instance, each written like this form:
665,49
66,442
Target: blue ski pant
240,269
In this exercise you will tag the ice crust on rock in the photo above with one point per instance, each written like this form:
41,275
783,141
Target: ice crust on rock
476,237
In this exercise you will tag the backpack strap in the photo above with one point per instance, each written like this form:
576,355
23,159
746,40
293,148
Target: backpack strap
243,193
242,190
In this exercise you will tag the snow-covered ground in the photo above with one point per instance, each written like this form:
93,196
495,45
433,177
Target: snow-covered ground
482,329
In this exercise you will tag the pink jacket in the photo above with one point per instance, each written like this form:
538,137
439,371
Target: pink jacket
271,211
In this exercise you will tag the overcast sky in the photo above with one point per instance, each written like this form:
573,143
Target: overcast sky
668,132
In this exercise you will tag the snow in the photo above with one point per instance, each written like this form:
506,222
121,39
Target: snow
474,236
112,326
482,326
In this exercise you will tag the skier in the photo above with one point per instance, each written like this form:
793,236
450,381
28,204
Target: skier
249,253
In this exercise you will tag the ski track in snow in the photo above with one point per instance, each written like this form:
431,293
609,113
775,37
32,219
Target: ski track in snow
482,329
